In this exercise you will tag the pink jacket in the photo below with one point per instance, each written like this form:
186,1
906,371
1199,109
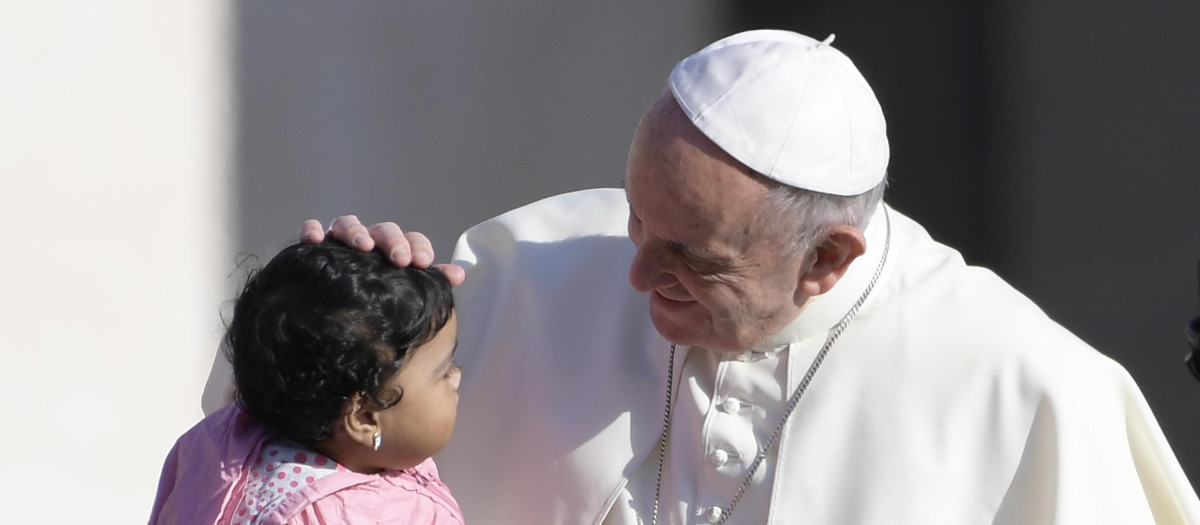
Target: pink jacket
205,474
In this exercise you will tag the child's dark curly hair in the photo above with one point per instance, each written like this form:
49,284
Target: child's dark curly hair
322,322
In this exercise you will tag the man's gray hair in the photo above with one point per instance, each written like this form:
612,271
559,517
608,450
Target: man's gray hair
804,217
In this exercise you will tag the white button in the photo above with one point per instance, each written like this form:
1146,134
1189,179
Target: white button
718,458
731,405
713,514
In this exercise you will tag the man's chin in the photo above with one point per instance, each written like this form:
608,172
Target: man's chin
678,331
673,327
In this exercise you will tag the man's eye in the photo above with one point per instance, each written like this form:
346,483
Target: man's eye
705,267
696,264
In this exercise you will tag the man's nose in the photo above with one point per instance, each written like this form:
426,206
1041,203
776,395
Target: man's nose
646,274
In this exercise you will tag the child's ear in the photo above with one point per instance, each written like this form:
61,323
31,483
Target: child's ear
360,420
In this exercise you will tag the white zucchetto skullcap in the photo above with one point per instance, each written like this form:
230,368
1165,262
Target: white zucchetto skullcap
790,107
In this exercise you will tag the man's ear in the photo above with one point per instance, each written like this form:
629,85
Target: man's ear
359,419
831,258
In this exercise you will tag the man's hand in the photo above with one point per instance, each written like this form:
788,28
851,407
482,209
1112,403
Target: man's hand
402,248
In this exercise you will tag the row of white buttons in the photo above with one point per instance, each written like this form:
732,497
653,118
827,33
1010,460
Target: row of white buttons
731,431
718,458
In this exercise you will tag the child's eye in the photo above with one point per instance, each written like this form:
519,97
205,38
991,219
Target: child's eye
453,371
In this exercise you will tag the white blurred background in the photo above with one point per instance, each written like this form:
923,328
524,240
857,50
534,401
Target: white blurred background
147,147
115,136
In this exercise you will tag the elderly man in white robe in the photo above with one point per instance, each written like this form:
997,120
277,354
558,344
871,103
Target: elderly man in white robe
791,350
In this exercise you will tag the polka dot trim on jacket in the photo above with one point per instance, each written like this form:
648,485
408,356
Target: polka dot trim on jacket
281,469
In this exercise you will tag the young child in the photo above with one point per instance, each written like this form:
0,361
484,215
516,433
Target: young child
345,388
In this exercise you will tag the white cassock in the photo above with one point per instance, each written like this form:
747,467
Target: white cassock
949,399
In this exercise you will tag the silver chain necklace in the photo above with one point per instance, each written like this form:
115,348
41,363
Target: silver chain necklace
763,450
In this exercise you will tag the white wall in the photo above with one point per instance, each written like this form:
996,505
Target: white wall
114,133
